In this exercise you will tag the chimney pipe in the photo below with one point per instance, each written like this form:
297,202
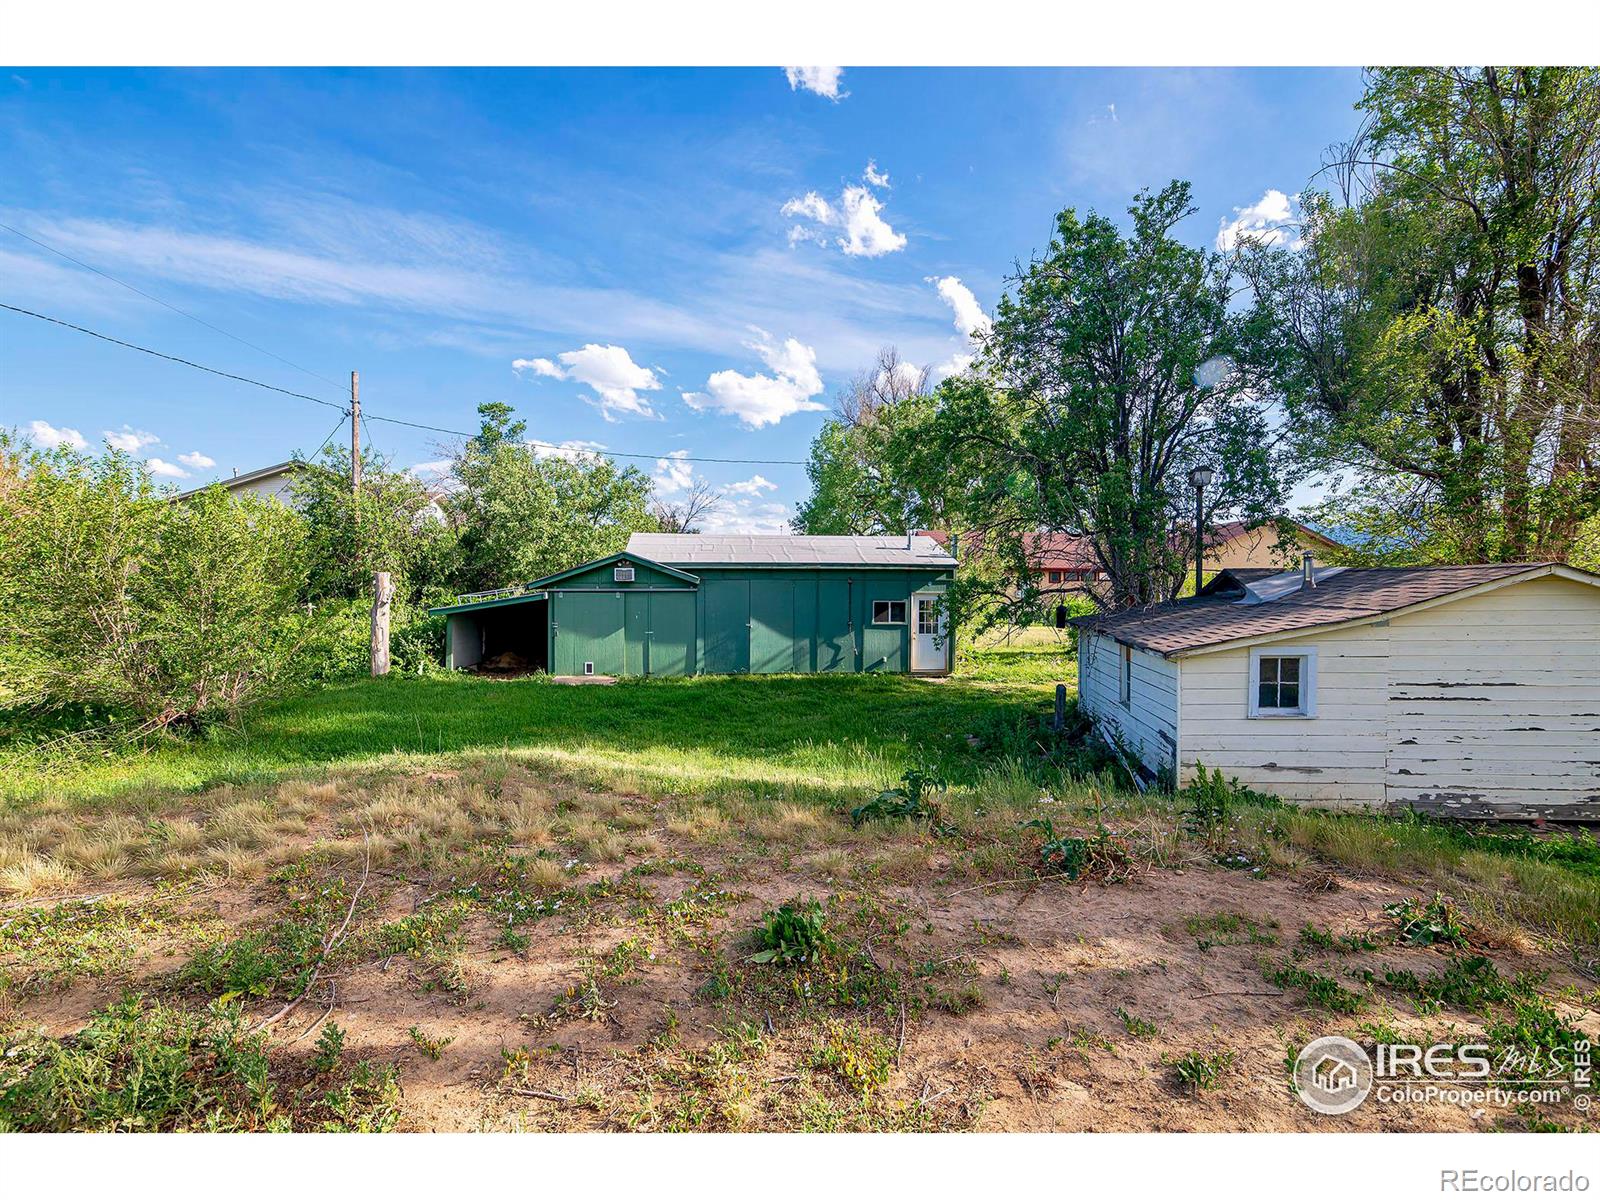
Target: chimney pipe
1308,571
911,538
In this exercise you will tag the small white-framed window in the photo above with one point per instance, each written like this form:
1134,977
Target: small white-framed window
927,617
888,612
1283,681
1125,676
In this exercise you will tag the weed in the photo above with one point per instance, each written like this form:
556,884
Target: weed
145,1066
432,1047
1231,929
1313,937
858,1056
1137,1026
912,800
1319,990
330,1048
1427,923
1472,983
795,933
1201,1072
1103,855
1207,804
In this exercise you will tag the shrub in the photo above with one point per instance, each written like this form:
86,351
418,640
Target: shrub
911,800
1104,855
117,599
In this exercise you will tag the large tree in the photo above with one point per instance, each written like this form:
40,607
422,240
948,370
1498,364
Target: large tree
1435,321
859,481
1115,365
523,514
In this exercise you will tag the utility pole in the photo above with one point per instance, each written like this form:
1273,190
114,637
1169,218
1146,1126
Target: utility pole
355,434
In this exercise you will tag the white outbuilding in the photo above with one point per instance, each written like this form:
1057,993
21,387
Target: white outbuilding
1467,691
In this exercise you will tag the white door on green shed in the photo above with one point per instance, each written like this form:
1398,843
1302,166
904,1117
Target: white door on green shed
927,633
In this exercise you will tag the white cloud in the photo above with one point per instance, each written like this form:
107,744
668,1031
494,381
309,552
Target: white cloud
196,460
48,437
1268,221
753,486
609,371
539,366
970,319
129,440
856,214
759,400
956,364
824,81
746,516
438,466
165,470
571,451
673,474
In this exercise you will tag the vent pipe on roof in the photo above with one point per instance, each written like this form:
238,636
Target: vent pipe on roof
911,539
1308,571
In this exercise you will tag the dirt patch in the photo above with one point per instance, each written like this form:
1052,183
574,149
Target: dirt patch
591,971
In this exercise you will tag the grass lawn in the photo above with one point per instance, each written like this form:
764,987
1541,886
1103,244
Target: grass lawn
820,733
523,906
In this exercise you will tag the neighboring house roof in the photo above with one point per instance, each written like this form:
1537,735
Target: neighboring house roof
1075,552
259,475
787,550
1239,606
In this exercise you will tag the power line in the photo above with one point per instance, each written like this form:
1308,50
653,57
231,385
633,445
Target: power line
28,237
169,357
745,462
750,462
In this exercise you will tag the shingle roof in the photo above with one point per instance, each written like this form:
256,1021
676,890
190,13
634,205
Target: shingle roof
1260,605
786,550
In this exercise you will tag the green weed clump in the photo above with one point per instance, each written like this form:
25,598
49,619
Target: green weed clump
793,934
914,800
1199,1072
1426,923
144,1066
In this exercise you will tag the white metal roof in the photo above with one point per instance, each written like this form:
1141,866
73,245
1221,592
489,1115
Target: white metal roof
788,550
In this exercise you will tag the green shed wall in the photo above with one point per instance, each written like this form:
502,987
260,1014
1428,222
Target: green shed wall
739,619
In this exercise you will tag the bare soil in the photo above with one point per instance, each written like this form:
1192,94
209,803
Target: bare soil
953,1002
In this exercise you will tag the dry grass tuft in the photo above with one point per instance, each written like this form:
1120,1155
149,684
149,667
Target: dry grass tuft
35,873
700,823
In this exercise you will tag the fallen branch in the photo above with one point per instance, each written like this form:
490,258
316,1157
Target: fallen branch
329,944
1208,995
540,1095
1006,882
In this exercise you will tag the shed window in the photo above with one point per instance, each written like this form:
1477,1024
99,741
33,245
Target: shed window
1125,677
888,612
1055,576
1283,682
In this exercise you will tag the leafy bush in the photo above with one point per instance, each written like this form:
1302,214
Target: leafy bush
795,933
116,598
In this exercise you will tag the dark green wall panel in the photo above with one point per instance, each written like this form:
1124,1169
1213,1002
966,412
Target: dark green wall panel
772,626
671,633
727,625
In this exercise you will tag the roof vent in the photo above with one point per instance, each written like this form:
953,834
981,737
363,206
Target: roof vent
1308,571
622,575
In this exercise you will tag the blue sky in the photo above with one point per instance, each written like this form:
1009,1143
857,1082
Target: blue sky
658,261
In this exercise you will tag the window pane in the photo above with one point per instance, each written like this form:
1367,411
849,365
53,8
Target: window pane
1288,695
1289,670
1267,696
880,611
1269,670
897,612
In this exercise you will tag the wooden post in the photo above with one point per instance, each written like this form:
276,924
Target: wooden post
1060,722
382,594
355,434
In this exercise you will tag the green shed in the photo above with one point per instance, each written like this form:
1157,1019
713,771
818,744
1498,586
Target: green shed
693,604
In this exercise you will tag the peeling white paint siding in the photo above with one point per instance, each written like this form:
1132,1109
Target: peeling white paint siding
1494,702
1488,704
1336,756
1149,723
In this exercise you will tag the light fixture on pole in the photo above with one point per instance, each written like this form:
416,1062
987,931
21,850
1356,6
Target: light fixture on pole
1200,476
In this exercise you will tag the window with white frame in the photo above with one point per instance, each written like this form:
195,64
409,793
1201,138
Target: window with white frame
1125,677
1283,681
888,612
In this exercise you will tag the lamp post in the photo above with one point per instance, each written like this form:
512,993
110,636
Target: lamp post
1199,476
